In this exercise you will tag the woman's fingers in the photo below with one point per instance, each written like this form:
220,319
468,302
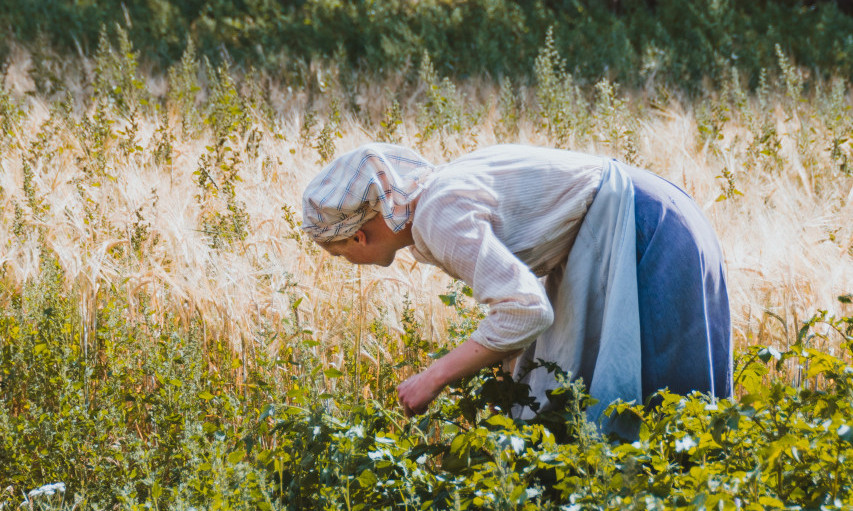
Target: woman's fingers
416,393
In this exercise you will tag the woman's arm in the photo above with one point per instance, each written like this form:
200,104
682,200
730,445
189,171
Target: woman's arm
418,391
455,229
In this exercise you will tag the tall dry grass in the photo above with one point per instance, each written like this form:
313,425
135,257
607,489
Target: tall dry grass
137,224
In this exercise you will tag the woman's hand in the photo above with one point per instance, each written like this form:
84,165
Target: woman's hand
417,392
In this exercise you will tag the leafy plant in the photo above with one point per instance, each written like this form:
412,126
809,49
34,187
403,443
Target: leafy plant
562,106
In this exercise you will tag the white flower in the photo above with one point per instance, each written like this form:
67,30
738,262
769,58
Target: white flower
47,489
684,444
356,431
378,454
517,444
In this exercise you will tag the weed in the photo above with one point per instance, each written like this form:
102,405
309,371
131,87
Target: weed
11,116
116,80
184,88
509,112
325,144
836,114
563,108
614,124
441,113
309,120
391,120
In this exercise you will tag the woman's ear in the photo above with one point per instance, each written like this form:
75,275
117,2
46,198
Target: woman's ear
360,237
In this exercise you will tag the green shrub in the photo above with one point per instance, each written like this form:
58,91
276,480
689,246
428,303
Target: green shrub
678,42
128,413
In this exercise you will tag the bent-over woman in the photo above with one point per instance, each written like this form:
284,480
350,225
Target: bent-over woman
609,271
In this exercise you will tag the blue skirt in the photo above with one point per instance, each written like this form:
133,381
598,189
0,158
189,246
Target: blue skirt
685,322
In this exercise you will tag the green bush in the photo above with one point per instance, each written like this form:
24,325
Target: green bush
129,413
679,42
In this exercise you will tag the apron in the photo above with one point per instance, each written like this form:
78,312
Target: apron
640,303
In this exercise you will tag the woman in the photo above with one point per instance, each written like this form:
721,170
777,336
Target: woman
609,271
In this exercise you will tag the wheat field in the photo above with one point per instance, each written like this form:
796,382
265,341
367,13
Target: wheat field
109,179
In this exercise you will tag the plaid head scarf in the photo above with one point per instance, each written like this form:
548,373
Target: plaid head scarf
373,179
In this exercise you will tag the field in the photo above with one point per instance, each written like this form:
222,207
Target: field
170,340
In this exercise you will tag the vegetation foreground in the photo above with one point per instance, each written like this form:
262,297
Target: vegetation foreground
168,340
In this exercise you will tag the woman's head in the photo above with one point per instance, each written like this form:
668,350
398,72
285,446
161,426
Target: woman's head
375,179
373,243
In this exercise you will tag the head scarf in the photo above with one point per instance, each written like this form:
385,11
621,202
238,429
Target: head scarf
373,179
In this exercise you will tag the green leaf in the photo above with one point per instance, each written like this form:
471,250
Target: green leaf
332,373
268,411
207,396
458,443
766,353
236,457
367,479
438,353
771,502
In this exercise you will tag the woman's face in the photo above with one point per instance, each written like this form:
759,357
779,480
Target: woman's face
358,250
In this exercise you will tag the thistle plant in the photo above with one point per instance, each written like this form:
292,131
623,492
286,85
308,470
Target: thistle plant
183,91
509,112
835,111
11,115
325,143
563,109
392,119
115,74
442,112
614,125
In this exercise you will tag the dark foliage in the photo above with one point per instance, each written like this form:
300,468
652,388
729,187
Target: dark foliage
628,40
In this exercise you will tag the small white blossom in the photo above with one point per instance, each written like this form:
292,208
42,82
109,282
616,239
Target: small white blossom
517,444
47,489
356,432
379,454
684,444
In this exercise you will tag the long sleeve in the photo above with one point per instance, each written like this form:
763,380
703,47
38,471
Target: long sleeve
456,235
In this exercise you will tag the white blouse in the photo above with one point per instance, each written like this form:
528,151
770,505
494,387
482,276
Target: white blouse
500,218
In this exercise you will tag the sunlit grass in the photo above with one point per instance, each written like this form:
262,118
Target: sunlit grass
188,304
